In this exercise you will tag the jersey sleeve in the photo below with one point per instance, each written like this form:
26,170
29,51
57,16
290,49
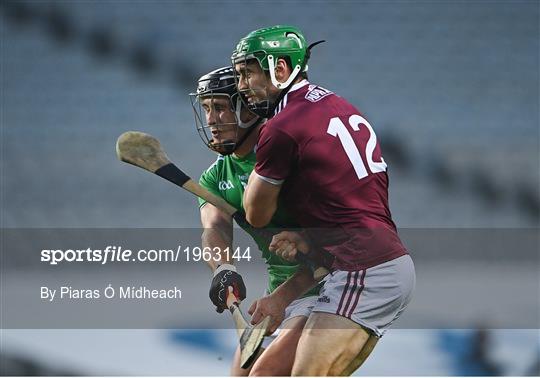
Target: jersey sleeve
209,181
277,153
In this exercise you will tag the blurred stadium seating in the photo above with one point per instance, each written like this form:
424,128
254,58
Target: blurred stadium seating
455,86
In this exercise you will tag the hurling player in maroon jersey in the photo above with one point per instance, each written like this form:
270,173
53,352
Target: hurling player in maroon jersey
321,156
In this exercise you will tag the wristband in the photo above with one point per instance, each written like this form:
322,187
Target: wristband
224,267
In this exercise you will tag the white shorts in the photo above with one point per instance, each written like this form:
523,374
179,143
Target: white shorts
374,297
299,307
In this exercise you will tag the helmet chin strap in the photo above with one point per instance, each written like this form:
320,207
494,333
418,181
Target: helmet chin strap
283,86
288,84
272,107
224,148
255,122
272,68
243,125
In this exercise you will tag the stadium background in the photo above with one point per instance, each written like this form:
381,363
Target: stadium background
452,89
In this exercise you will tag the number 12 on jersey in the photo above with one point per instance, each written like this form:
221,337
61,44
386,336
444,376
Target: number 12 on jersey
336,128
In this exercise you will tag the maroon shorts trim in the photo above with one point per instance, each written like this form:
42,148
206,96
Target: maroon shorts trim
351,294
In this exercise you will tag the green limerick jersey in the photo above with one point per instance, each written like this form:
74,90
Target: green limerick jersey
227,178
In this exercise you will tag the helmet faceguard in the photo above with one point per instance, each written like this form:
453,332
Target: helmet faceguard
216,87
266,46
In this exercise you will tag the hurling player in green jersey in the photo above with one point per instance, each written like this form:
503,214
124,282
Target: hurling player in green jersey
231,130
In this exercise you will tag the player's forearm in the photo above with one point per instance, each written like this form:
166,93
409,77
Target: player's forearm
216,240
217,234
296,286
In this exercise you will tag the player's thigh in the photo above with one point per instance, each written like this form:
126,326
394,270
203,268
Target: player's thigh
236,370
361,357
278,358
329,343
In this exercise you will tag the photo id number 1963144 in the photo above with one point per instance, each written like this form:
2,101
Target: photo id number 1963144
217,254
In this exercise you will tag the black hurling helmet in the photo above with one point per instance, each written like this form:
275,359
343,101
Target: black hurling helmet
220,83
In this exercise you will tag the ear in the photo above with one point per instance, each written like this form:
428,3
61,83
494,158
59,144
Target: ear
282,70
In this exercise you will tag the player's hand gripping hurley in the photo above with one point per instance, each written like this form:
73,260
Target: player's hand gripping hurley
144,151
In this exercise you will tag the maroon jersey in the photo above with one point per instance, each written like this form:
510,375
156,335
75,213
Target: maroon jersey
334,178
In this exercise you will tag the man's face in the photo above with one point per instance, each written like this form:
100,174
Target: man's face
252,81
220,119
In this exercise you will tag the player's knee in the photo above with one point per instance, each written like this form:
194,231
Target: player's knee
268,365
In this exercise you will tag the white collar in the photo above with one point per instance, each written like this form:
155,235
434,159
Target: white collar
281,105
298,85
